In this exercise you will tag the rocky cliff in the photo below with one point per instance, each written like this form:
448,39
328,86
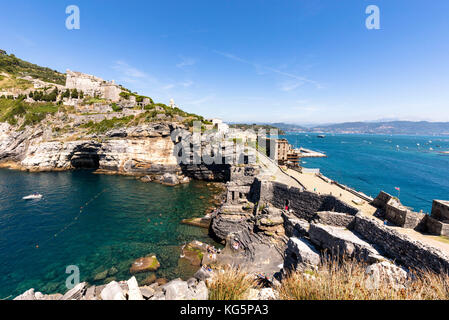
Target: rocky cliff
136,150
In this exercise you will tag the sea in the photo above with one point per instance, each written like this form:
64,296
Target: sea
371,163
95,223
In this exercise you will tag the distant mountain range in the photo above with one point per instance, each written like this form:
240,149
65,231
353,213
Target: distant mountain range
382,127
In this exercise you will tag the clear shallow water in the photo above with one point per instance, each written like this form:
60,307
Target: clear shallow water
93,221
370,163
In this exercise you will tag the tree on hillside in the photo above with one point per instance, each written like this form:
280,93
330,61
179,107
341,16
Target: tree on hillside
74,94
66,94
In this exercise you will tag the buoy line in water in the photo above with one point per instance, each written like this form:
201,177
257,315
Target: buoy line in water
82,208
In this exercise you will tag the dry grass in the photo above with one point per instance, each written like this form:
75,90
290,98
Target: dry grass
231,284
347,281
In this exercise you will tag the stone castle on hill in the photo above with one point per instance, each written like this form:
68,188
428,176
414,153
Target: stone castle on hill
93,86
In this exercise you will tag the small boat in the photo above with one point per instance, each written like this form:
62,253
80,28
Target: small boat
33,196
321,136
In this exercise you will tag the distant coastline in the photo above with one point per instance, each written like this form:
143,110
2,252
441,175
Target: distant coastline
418,128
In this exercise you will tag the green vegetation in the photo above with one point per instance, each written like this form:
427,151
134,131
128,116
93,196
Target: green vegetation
19,68
116,108
127,94
51,96
14,82
256,127
91,100
12,110
106,125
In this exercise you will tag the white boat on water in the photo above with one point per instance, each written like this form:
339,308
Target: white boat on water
33,197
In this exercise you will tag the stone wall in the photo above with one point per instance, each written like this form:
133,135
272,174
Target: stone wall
400,247
440,210
305,204
437,227
396,213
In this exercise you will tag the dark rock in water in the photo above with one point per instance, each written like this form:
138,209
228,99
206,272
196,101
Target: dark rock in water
110,279
101,276
203,222
161,281
112,271
148,263
194,252
149,280
170,179
146,179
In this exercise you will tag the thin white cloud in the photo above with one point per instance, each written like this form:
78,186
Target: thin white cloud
186,62
291,86
186,84
201,100
261,68
168,86
128,70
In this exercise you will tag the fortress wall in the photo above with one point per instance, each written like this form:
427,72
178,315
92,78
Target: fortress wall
440,210
304,203
397,246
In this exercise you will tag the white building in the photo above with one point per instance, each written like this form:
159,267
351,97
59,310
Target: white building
220,126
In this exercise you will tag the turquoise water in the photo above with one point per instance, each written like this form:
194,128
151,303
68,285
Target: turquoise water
93,221
370,163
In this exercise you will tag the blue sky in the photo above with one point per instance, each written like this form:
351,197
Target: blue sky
302,61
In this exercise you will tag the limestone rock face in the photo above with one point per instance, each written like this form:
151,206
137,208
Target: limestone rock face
262,294
182,290
76,293
27,295
170,179
385,273
133,290
112,291
141,150
144,264
300,254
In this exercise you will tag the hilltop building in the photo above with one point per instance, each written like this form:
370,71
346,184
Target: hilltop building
220,126
93,86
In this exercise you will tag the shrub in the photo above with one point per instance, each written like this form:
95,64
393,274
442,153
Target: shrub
231,284
116,108
346,280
